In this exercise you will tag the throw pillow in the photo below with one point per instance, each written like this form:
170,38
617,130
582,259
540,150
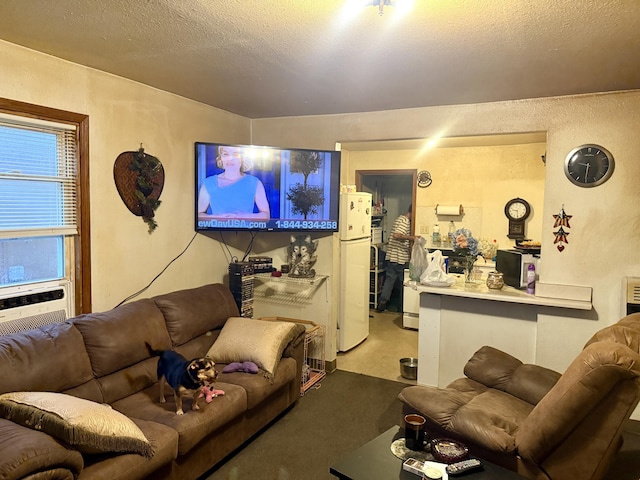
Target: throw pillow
87,426
249,340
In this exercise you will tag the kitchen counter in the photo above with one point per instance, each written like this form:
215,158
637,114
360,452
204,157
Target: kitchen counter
479,290
454,322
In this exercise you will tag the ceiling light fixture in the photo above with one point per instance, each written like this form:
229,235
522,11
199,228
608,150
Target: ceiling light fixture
380,4
389,3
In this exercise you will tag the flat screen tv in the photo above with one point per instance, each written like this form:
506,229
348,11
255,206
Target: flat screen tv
247,187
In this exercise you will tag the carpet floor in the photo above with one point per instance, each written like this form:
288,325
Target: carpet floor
347,411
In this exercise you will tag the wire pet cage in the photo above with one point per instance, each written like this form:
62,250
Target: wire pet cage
313,368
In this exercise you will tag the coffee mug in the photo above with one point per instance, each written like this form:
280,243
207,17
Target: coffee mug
414,431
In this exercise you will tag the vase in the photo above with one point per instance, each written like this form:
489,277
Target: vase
468,273
495,280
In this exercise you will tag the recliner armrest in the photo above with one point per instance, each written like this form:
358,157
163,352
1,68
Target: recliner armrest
497,369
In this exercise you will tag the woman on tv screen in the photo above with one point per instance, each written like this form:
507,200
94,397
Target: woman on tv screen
232,193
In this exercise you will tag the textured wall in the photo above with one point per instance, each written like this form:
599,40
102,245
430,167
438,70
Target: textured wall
122,115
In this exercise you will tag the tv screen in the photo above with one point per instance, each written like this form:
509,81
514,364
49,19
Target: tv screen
246,187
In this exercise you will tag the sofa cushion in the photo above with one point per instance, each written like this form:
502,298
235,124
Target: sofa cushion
164,441
26,451
117,338
619,333
257,386
52,357
497,369
194,425
466,408
192,312
257,341
89,427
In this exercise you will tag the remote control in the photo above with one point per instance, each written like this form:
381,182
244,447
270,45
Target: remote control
414,466
463,466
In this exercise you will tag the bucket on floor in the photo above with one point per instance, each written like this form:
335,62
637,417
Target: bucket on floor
409,368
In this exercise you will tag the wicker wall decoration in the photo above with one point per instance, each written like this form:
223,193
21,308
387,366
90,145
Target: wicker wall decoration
139,178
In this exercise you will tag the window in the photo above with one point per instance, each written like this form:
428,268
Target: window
43,184
37,199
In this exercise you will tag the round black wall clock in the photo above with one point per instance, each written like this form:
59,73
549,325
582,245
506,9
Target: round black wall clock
589,165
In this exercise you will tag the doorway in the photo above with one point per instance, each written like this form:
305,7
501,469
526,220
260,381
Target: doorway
392,191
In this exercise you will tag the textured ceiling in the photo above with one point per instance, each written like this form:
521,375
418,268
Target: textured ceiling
271,58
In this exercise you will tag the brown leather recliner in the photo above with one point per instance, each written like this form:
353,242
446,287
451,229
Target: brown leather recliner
535,421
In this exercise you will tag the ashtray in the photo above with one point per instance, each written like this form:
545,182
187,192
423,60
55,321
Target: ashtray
448,451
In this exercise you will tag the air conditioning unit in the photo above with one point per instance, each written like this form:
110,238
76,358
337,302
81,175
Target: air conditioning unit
30,306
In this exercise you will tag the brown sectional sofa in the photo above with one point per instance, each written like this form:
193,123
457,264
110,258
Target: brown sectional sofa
103,357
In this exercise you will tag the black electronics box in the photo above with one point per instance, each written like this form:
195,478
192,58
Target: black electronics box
261,264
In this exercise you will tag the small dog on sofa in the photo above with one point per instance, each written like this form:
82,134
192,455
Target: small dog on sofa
183,376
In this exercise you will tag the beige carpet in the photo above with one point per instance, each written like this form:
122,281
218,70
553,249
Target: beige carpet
379,355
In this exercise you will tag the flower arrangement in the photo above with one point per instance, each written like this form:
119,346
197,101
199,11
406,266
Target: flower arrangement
487,248
465,245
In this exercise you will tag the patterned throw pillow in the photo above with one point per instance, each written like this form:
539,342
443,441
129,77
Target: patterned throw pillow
87,426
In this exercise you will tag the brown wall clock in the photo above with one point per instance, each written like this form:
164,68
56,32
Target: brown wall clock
517,211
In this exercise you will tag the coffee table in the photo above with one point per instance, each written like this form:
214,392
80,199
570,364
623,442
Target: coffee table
375,461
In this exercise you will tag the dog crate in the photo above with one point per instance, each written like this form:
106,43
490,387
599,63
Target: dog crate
313,368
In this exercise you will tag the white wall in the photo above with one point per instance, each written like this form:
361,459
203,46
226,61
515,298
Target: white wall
604,244
122,115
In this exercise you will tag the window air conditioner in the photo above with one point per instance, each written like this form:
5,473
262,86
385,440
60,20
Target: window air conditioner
31,306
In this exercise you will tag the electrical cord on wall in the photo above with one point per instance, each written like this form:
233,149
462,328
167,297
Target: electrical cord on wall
157,276
250,246
247,251
232,257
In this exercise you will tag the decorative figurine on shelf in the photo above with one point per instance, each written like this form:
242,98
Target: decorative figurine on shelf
302,258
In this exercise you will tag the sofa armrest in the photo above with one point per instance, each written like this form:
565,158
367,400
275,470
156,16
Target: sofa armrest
497,369
25,452
298,338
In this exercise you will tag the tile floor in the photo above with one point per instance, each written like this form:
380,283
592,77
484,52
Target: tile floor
379,355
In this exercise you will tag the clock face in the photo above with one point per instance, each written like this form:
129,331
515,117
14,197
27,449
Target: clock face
517,209
589,165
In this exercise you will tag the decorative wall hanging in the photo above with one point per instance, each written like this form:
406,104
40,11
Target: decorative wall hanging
562,221
139,178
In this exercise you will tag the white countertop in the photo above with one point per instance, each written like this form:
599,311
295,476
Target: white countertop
479,290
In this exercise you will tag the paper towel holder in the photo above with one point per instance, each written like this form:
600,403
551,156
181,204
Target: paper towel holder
450,210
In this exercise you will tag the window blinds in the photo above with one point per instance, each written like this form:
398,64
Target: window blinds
38,165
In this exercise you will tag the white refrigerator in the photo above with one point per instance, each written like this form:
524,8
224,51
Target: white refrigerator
355,259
